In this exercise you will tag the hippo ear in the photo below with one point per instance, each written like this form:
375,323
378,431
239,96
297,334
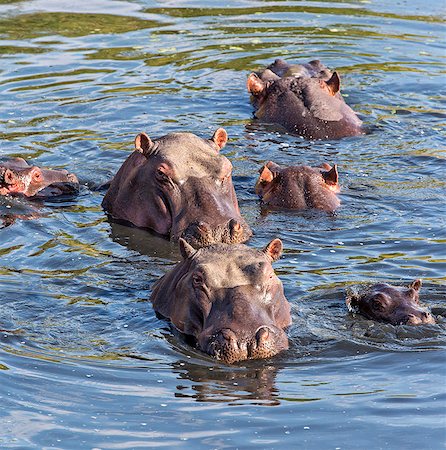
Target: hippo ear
220,137
255,85
143,144
266,176
331,176
334,84
274,249
186,249
416,285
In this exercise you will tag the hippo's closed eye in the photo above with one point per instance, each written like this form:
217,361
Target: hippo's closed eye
379,302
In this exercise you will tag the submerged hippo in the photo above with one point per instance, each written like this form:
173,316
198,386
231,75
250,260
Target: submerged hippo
390,304
179,186
298,187
17,177
228,298
304,99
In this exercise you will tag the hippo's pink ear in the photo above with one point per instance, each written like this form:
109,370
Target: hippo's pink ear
220,137
143,144
255,85
416,285
266,176
334,84
274,249
186,249
331,176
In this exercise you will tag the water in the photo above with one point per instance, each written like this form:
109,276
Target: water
85,362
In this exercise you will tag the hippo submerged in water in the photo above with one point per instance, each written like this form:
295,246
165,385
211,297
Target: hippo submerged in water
386,303
303,98
298,187
228,298
17,177
179,186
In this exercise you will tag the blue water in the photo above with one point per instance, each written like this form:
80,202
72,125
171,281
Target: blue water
85,362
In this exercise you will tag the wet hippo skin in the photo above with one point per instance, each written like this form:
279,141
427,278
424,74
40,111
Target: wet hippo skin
298,187
179,186
17,177
391,304
228,298
305,99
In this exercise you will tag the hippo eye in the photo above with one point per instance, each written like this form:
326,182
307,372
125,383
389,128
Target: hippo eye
161,175
197,279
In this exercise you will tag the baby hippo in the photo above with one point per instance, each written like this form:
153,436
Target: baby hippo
17,177
386,303
299,187
305,99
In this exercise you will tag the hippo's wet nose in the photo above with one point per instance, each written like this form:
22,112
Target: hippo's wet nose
235,229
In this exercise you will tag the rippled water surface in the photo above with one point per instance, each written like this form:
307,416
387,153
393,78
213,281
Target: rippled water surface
84,361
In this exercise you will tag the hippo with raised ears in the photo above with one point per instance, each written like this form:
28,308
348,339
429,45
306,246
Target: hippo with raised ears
179,185
298,187
390,304
228,298
305,99
17,177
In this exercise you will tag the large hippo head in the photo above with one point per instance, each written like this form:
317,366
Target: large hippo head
298,187
17,177
228,298
181,186
303,98
390,304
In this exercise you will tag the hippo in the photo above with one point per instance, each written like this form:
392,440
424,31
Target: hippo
390,304
228,299
179,185
17,177
298,187
305,99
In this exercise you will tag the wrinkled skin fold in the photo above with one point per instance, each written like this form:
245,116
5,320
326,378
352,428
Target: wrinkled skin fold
179,186
390,304
228,298
298,187
305,99
17,177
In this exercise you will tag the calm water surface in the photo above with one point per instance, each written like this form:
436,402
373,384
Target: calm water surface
84,361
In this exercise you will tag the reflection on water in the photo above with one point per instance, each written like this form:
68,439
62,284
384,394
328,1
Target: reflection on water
83,358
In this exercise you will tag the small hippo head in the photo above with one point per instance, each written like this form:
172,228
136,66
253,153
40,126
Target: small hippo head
390,304
228,298
17,177
298,187
304,99
179,186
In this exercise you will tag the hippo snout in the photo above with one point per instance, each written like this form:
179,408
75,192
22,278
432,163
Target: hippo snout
265,342
423,317
202,233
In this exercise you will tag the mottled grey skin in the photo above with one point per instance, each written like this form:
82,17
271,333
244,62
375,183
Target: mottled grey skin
386,303
179,186
17,177
228,298
298,187
304,99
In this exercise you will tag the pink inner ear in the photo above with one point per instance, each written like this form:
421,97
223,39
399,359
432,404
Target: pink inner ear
220,138
255,84
266,175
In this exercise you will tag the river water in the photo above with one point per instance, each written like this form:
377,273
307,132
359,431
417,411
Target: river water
84,361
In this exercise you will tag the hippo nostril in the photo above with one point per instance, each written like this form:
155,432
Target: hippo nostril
203,227
229,336
235,228
262,335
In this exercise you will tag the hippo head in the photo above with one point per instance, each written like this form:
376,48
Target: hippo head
390,304
181,186
17,177
228,298
304,99
298,187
